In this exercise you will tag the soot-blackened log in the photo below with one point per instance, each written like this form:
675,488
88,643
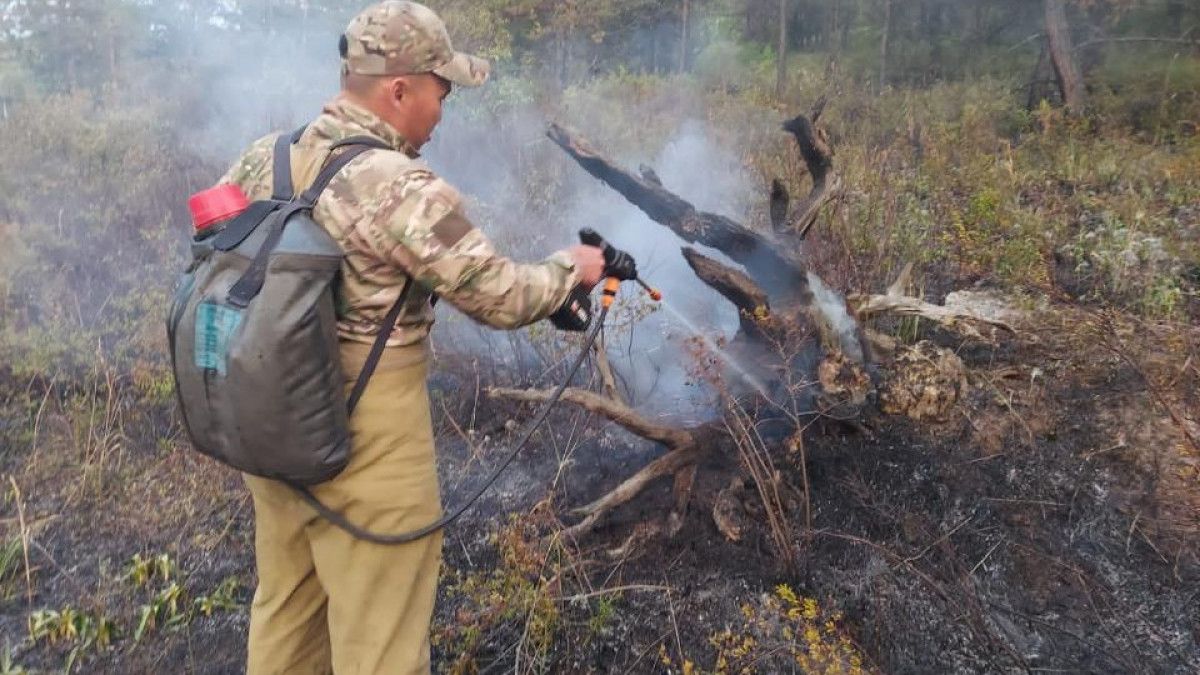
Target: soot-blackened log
774,265
734,285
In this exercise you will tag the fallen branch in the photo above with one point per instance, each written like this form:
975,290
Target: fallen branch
734,285
905,305
612,410
894,301
683,449
667,465
729,282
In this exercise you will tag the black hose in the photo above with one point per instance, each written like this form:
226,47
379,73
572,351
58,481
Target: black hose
341,522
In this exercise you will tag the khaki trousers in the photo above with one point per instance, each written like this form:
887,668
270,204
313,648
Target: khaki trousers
327,602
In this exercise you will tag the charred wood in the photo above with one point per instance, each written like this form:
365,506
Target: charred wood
774,265
818,157
780,199
734,285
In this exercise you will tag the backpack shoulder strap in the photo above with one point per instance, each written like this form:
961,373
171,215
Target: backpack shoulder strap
282,189
355,146
377,347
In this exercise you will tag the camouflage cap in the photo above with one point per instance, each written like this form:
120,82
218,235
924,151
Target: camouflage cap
397,37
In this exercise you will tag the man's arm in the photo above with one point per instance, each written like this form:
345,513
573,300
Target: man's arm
251,169
417,223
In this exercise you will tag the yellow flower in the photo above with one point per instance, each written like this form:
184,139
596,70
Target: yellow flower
810,608
786,593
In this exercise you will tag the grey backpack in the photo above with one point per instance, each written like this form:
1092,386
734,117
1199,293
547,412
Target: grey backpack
253,335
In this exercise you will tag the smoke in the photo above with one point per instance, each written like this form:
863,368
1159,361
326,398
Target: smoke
656,360
237,81
255,81
833,309
505,163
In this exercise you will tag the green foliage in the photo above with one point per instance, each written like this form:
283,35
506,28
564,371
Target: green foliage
481,28
11,561
780,632
168,605
71,625
223,598
1150,89
141,571
606,610
92,197
162,611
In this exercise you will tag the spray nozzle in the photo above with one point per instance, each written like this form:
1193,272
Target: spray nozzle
655,294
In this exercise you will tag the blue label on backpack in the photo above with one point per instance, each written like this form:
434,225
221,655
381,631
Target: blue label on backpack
215,324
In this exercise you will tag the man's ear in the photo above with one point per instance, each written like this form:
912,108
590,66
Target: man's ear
398,88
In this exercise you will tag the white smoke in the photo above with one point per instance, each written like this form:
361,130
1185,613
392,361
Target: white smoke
522,190
833,308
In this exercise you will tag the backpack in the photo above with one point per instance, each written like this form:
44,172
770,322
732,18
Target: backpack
253,337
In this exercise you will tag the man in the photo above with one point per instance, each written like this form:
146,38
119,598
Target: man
326,601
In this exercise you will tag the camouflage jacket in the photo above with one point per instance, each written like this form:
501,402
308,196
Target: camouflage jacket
394,217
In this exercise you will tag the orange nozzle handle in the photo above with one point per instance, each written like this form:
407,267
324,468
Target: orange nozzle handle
611,285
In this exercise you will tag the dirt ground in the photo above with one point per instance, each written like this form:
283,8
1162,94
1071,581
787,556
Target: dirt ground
1048,524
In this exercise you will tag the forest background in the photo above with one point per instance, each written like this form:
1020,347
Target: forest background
1046,148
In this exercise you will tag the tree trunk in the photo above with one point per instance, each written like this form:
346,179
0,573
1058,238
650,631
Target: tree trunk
1066,70
112,55
685,21
832,41
883,43
654,51
1035,80
781,52
561,48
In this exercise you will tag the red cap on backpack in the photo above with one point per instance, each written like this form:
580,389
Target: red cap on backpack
216,204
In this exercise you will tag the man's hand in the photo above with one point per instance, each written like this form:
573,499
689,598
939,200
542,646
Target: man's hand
619,264
589,261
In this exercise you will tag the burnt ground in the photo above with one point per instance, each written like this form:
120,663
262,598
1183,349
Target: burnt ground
1048,524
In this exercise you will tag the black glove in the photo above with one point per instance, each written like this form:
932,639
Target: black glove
617,263
575,314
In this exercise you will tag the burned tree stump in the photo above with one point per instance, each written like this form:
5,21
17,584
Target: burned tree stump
801,328
818,157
